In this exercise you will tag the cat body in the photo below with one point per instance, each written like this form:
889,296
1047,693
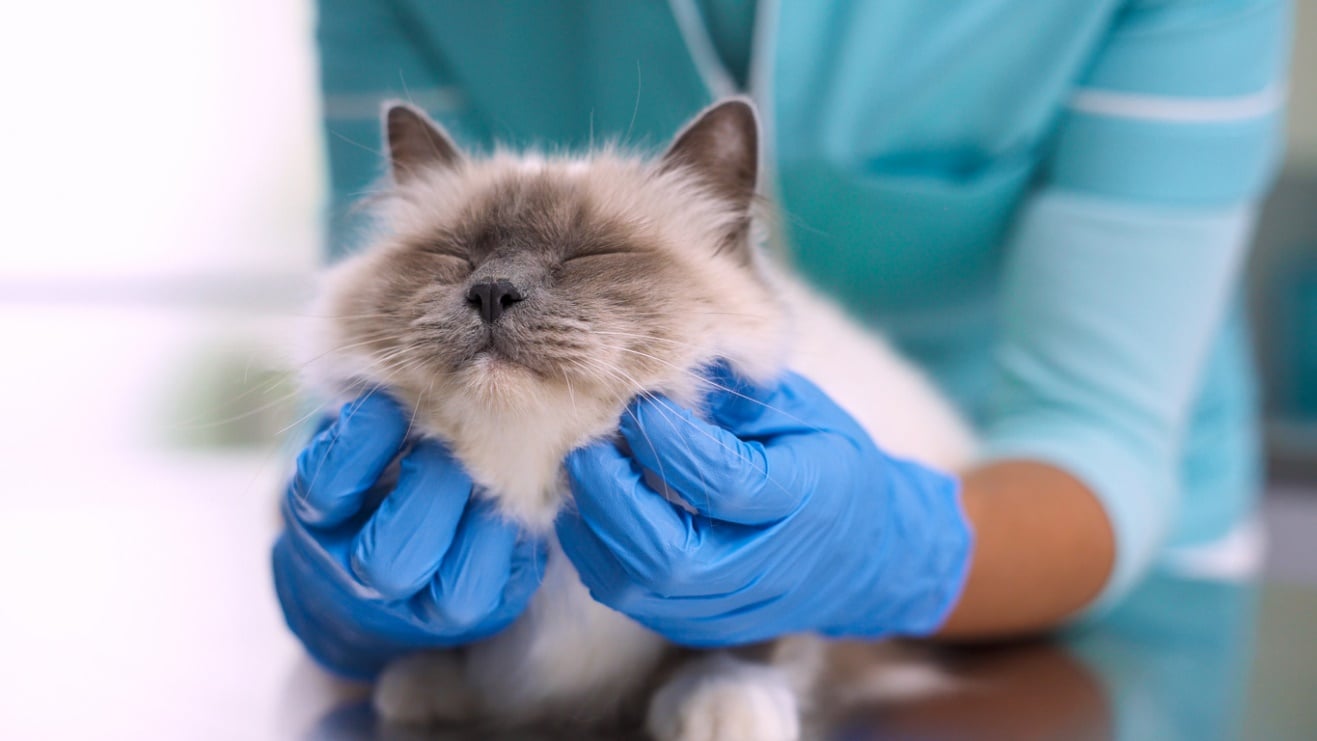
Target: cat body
517,303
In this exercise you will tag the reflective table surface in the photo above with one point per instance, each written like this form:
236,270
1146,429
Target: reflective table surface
1182,659
138,605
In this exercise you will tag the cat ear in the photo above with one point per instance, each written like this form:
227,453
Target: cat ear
721,146
416,143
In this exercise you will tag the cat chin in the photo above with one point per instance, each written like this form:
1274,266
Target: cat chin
512,429
490,412
499,381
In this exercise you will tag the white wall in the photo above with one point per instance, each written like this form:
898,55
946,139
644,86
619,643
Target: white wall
156,138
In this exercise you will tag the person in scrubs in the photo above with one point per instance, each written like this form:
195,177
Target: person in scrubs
1045,205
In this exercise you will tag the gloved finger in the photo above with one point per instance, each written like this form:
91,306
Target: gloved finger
598,568
713,470
676,615
475,571
529,559
733,401
321,636
340,465
643,530
400,549
323,423
763,411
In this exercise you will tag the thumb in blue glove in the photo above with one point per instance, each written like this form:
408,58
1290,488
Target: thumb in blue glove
793,521
385,550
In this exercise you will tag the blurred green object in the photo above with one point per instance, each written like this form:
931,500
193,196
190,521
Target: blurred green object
231,397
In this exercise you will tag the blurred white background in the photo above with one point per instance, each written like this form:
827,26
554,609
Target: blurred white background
162,187
161,199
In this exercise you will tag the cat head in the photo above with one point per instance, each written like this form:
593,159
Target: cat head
553,288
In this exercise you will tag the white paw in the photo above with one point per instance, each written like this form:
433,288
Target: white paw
720,698
423,689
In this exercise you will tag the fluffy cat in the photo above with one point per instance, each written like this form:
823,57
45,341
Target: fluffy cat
517,303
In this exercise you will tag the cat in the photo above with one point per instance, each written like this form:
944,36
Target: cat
516,303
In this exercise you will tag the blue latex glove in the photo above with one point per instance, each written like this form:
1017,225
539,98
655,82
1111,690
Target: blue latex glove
802,524
382,557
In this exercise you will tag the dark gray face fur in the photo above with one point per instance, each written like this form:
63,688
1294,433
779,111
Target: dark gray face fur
575,273
604,273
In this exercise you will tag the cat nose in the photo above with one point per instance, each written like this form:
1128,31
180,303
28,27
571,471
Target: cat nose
492,297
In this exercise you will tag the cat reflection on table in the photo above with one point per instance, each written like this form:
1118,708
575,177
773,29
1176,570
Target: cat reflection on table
517,303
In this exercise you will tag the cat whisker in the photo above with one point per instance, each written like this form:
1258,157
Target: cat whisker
646,338
290,375
381,315
261,389
351,411
707,489
371,337
571,394
420,402
701,430
298,422
189,427
672,420
715,385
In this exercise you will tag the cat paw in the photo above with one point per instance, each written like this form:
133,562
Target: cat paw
721,698
424,689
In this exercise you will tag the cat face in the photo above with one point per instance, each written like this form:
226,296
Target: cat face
521,283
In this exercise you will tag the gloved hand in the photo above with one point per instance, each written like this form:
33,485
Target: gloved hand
381,558
800,523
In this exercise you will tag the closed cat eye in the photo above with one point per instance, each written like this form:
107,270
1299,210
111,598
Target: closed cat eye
598,253
443,250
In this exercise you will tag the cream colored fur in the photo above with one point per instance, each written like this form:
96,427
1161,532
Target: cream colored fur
569,657
544,419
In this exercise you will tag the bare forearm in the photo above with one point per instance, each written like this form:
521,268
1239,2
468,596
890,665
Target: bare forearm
1043,550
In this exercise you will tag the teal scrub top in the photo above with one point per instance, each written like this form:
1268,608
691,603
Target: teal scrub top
1044,204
